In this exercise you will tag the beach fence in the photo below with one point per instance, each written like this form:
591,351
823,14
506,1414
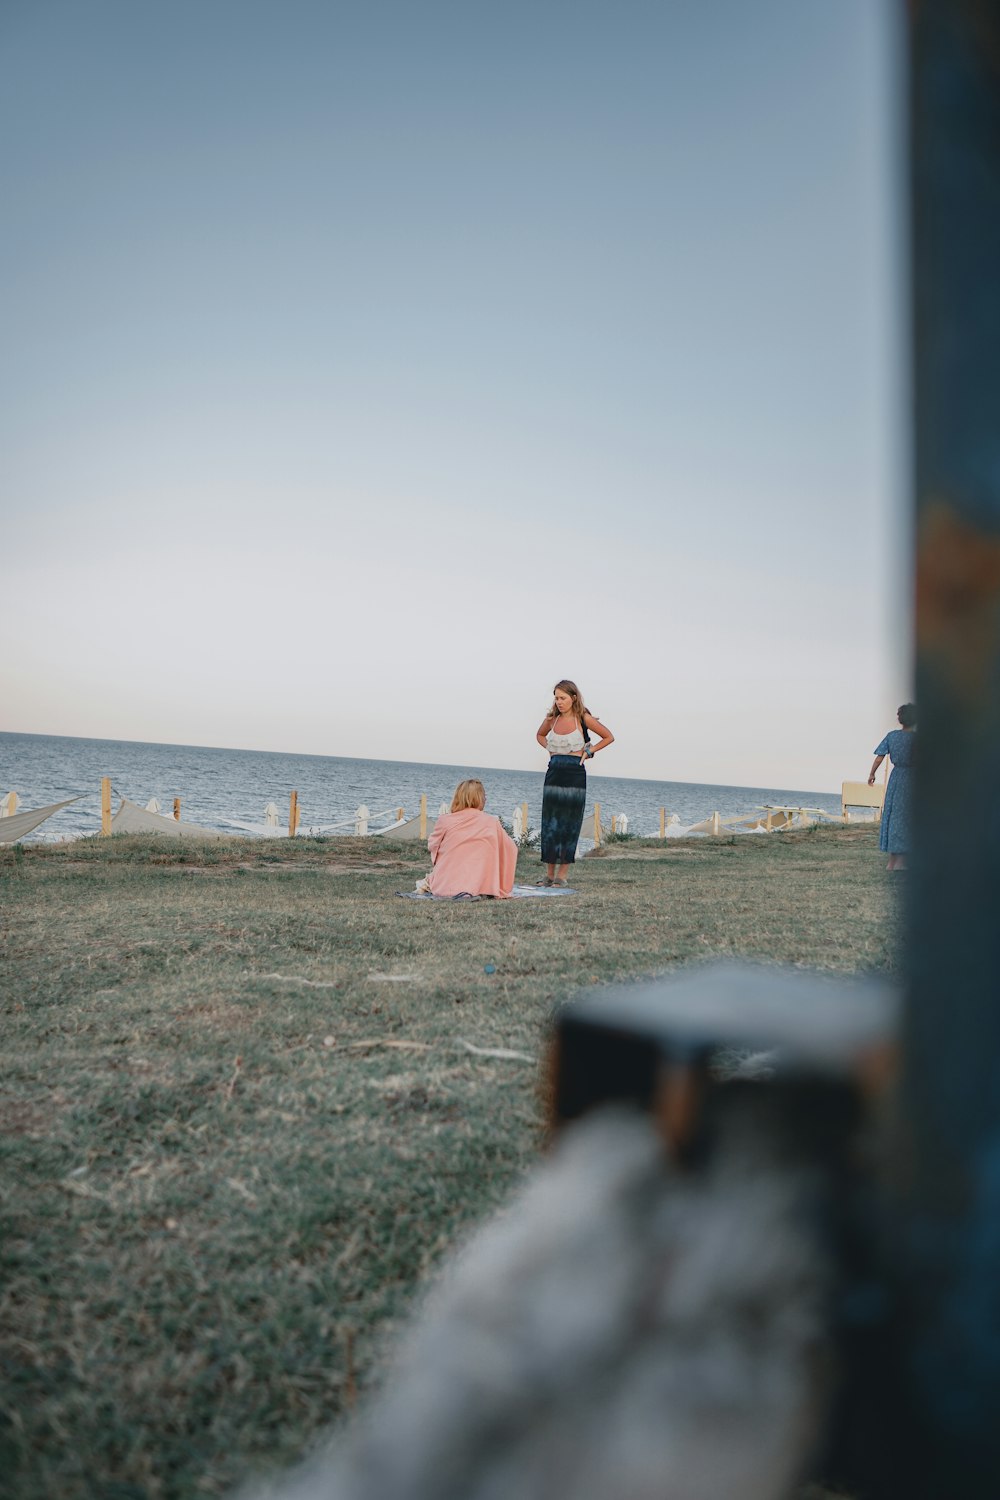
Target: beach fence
362,822
359,823
395,823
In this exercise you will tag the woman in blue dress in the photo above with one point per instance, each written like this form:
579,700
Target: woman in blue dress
900,746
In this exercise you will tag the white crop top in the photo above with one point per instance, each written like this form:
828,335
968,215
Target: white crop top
565,744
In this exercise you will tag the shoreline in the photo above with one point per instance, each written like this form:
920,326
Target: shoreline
423,765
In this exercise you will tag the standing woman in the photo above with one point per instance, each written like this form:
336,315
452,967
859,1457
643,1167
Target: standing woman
565,734
900,745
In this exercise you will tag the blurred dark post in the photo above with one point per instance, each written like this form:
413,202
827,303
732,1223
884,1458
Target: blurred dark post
947,1224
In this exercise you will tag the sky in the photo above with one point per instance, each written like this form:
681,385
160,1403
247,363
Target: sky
365,369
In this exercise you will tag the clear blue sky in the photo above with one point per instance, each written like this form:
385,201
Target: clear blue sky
363,369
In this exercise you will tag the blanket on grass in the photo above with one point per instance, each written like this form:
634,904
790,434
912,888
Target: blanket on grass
516,892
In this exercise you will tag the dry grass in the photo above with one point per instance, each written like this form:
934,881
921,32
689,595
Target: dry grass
240,1120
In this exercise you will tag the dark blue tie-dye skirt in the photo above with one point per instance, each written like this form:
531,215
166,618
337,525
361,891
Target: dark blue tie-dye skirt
563,800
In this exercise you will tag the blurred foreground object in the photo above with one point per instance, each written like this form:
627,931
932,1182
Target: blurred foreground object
943,1235
655,1316
618,1331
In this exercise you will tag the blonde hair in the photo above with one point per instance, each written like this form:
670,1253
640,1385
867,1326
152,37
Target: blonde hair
577,710
470,793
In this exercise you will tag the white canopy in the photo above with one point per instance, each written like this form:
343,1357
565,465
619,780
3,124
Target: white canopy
16,826
408,829
131,818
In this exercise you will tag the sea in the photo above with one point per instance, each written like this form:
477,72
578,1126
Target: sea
229,790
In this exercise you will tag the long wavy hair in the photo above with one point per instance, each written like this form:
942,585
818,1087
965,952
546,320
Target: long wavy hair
469,793
578,709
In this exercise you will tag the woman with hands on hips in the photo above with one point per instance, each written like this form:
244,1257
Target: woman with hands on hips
565,733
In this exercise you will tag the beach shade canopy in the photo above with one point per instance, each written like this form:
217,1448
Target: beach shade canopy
131,818
16,826
707,825
408,829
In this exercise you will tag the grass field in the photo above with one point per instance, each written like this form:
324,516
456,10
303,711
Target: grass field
242,1114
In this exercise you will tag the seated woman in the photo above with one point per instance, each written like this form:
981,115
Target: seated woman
471,854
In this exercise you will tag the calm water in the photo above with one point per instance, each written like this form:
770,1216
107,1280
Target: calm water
228,790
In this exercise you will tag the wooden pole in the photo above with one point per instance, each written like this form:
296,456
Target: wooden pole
597,823
663,822
293,815
177,809
423,815
524,817
614,823
400,814
105,805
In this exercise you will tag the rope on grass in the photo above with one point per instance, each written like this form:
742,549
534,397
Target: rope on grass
312,984
231,1085
399,1046
504,1052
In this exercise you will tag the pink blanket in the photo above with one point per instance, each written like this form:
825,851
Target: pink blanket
470,852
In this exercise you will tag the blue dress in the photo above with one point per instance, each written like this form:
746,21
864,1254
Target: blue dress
894,833
564,797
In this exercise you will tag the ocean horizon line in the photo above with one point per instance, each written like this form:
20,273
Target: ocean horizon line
386,761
